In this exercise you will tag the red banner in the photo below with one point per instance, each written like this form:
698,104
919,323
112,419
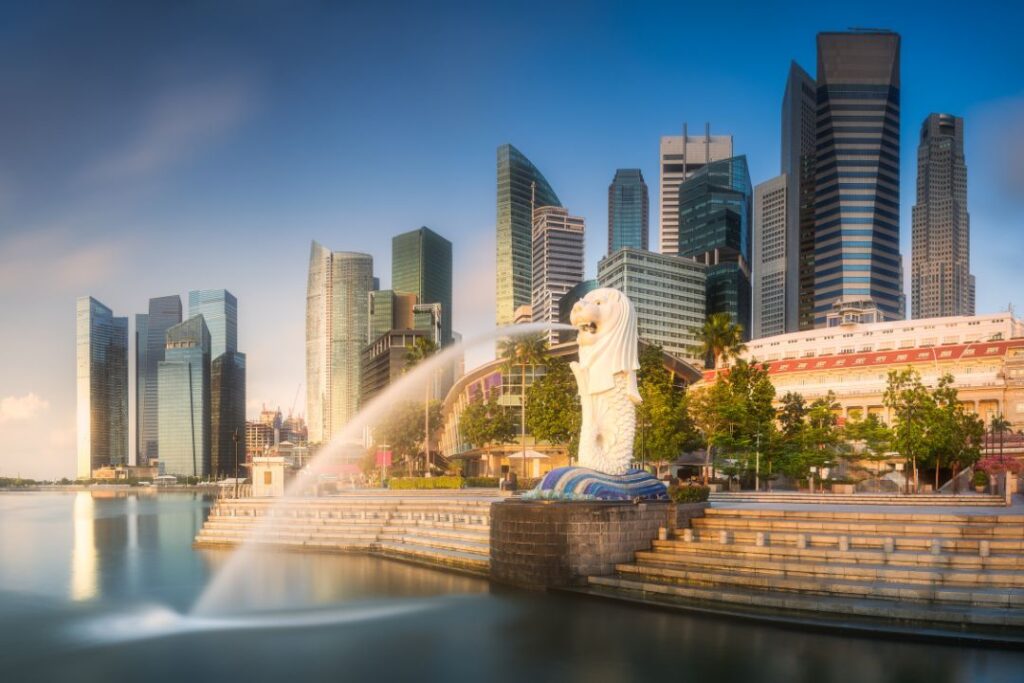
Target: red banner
383,458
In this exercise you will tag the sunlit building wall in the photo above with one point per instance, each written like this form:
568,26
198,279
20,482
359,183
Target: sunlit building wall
771,266
682,156
184,383
557,261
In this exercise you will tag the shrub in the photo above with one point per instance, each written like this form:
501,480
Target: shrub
689,494
409,483
527,483
997,464
481,482
980,478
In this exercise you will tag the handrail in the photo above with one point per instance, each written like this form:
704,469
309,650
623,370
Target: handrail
960,483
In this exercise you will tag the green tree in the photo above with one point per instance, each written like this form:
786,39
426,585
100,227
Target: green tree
719,339
403,430
955,434
710,418
873,437
999,426
555,413
487,422
664,426
422,349
523,351
750,414
792,414
911,405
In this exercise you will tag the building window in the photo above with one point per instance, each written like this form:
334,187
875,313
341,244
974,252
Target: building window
268,478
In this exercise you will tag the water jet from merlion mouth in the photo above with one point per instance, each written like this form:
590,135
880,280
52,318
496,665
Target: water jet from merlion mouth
216,596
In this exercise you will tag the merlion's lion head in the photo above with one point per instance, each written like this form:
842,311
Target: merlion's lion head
607,337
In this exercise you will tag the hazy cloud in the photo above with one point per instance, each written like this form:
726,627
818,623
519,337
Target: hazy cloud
47,260
999,126
20,408
177,124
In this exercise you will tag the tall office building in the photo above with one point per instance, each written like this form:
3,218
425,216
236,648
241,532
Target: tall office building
150,342
715,229
183,379
681,157
219,309
521,187
101,350
389,310
557,261
857,261
628,210
421,264
771,267
799,159
667,292
941,281
337,316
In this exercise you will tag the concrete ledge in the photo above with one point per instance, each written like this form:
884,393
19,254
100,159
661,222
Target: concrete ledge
545,544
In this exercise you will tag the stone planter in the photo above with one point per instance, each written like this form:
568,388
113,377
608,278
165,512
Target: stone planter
845,489
681,515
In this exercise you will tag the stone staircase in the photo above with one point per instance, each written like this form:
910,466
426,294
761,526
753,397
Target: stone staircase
948,572
447,531
923,499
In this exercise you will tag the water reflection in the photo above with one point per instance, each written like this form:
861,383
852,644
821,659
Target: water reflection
84,578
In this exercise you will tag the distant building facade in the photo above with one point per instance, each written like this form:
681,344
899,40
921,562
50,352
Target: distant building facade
521,187
390,310
681,156
668,293
771,266
628,210
184,381
941,282
385,360
101,359
715,229
557,261
857,201
337,316
568,300
421,264
150,342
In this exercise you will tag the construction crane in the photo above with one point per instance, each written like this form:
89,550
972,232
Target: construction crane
294,400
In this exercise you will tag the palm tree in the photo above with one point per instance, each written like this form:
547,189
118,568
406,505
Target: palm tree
423,348
999,425
720,338
527,350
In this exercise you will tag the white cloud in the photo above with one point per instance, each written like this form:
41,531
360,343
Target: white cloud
20,408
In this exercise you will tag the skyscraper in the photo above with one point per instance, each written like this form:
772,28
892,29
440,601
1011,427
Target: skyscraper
771,268
389,310
799,158
856,209
183,378
941,282
715,229
628,210
150,342
521,187
101,349
219,309
421,264
337,318
557,261
667,292
682,156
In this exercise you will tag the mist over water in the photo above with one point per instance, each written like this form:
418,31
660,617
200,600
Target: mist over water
220,593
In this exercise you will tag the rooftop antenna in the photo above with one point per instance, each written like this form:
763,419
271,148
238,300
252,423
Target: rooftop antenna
707,142
684,150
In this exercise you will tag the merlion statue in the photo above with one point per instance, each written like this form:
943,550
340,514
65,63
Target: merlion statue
606,377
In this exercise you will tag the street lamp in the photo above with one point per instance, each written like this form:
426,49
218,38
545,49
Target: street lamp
234,437
757,464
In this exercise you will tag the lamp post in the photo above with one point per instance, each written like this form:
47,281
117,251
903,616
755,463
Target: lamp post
813,470
757,463
234,437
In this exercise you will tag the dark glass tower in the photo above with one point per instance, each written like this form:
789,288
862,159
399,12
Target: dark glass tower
799,124
715,229
941,280
183,378
150,342
628,210
520,188
102,387
857,174
421,264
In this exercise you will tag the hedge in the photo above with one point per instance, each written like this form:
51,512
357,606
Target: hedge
482,482
689,494
407,483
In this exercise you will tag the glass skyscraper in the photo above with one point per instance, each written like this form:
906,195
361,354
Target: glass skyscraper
150,342
521,187
219,309
337,320
941,283
628,210
183,379
101,350
421,264
857,260
715,229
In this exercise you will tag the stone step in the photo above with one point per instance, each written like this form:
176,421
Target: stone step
479,536
817,585
825,608
859,540
965,530
832,554
293,542
770,569
967,500
896,515
460,559
481,548
278,534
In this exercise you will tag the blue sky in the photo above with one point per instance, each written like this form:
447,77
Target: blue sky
153,148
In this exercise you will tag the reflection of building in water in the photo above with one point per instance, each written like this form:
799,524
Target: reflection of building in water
83,552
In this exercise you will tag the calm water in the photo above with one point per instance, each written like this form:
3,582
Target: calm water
92,588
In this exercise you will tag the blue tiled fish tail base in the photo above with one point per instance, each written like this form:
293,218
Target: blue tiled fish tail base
582,483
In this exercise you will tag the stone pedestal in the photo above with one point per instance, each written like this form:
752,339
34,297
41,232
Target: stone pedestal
544,544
